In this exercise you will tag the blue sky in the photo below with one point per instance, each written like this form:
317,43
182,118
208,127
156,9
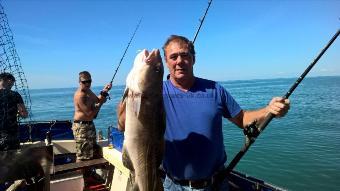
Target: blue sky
239,39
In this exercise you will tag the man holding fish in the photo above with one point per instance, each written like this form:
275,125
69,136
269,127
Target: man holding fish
194,151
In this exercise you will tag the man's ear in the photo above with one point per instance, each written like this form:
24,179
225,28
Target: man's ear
166,62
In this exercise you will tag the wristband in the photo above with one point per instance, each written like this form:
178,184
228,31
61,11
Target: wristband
104,94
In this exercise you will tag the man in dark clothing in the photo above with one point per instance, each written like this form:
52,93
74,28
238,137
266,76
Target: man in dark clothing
11,106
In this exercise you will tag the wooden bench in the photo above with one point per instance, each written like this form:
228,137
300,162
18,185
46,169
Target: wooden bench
79,165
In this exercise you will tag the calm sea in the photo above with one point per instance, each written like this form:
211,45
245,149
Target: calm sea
298,152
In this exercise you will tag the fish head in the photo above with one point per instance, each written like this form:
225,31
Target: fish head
147,72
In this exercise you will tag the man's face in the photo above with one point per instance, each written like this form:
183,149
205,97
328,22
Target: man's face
179,61
10,83
6,83
85,82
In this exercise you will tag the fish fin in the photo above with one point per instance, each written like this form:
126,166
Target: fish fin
137,99
135,187
131,182
126,159
121,116
121,111
125,95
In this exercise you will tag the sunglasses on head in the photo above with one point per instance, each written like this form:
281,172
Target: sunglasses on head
86,81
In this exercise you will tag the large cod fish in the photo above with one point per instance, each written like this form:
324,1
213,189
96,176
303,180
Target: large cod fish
144,121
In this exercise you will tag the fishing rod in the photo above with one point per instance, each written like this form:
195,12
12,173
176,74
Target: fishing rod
127,47
201,21
253,131
199,27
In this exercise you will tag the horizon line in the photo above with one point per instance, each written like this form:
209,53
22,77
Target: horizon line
96,86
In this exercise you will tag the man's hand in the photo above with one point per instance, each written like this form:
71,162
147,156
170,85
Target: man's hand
278,106
104,93
107,87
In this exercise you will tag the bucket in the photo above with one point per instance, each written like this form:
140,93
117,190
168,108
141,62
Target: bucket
116,138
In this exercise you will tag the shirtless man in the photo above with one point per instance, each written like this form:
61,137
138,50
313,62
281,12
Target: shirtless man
87,106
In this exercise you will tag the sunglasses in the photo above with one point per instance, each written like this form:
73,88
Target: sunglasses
86,81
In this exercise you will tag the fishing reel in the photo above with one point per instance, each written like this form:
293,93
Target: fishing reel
251,131
105,94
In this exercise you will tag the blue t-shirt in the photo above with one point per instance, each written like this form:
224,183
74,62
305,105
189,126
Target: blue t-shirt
194,146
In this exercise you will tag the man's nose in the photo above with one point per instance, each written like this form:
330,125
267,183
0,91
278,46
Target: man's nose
179,59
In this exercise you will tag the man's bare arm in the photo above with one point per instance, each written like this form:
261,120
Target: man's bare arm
86,106
277,106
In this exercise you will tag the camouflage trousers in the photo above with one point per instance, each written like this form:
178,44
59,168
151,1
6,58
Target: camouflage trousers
85,137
